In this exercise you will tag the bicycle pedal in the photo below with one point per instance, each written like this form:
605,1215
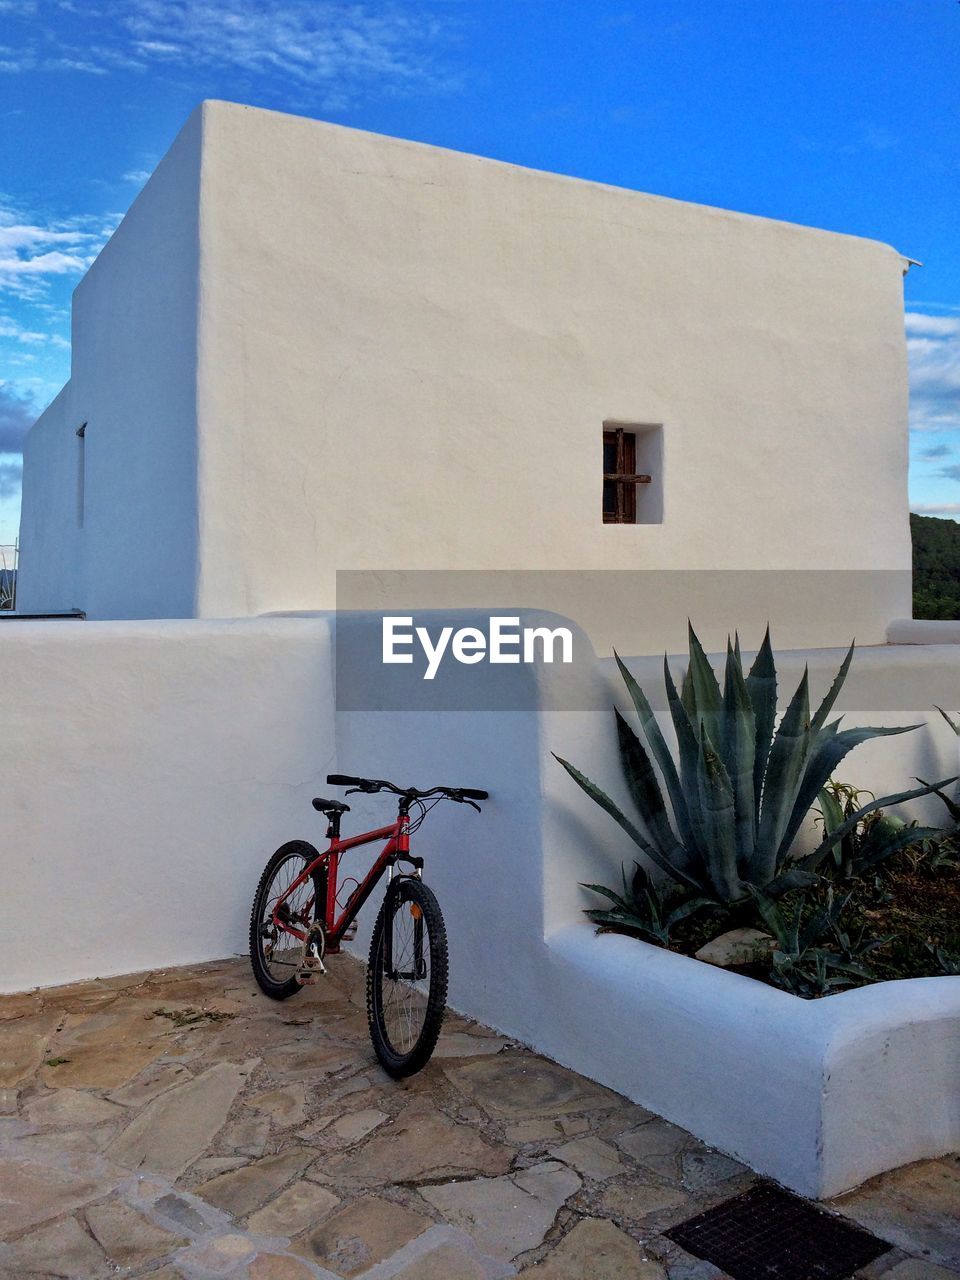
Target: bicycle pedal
310,971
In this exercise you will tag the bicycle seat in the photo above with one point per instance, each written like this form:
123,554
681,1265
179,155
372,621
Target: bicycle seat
330,807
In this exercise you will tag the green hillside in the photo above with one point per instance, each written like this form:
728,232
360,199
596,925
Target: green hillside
936,567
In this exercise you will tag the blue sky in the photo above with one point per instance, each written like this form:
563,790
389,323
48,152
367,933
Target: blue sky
837,113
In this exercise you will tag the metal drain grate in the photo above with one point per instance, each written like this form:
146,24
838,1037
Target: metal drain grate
769,1234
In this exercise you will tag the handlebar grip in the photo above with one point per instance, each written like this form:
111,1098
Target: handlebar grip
343,780
471,793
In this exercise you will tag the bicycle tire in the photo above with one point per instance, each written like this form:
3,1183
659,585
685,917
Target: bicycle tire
405,1060
271,987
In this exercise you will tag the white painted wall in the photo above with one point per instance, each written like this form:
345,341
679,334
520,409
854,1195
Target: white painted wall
405,357
49,519
148,770
133,381
380,316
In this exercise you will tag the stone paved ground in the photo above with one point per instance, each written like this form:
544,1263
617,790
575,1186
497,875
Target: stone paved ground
178,1124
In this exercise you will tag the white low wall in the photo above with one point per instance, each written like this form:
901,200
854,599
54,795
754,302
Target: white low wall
147,772
149,769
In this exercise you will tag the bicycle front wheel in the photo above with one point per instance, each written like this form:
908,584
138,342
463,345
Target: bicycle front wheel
407,978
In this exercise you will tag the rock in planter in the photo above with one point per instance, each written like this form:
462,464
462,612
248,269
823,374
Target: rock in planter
738,946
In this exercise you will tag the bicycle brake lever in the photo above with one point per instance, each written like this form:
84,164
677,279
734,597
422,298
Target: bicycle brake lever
472,805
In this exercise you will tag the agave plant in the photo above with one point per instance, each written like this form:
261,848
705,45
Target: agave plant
643,908
723,818
799,964
874,838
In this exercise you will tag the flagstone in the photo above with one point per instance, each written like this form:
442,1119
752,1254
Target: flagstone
917,1208
703,1168
634,1201
101,1051
20,1005
278,1266
209,1166
656,1144
430,1142
539,1131
33,1191
149,1084
71,1107
307,1059
23,1045
592,1157
419,1144
915,1269
446,1262
506,1216
355,1239
15,1127
357,1124
60,1248
244,1190
217,1255
248,1135
286,1106
301,1205
572,1125
462,1044
176,1208
178,1126
59,1141
520,1085
127,1237
598,1249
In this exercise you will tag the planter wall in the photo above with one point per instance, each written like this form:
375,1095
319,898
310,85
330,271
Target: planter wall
819,1094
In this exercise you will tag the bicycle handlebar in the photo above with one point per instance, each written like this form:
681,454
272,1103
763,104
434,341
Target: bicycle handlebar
372,785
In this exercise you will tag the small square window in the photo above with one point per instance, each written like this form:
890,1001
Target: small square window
632,474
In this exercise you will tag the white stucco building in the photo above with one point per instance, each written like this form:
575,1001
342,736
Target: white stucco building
308,348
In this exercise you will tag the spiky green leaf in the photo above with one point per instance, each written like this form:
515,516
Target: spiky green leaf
784,775
661,754
738,746
708,699
603,800
826,706
826,755
719,817
762,688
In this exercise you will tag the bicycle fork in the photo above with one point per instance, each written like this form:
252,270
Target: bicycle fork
419,970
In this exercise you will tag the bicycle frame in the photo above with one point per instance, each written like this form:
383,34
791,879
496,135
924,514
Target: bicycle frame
397,847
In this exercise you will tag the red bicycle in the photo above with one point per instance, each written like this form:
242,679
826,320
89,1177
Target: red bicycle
298,918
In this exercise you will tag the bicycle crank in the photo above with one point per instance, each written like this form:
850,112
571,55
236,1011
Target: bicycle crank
312,951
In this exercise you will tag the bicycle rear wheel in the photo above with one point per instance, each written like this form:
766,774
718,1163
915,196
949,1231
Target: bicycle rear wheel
274,953
407,977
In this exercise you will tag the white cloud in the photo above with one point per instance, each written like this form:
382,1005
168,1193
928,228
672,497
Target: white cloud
17,415
137,176
336,47
933,345
32,253
11,474
936,509
30,337
920,326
